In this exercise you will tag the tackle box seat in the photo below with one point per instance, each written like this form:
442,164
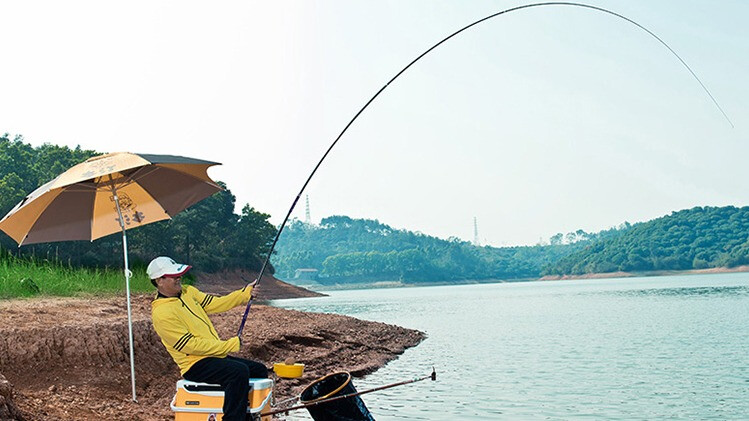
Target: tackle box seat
197,401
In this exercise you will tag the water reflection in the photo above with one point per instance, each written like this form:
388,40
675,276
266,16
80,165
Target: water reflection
717,291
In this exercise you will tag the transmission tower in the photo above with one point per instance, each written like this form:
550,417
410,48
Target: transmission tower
475,232
307,218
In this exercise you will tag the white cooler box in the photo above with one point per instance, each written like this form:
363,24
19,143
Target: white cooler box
204,402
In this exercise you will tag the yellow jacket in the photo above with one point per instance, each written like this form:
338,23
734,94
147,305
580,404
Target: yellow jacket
184,327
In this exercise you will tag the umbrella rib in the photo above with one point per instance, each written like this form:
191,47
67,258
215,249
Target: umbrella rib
107,185
128,179
142,172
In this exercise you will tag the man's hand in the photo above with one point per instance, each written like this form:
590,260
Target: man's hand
254,289
250,285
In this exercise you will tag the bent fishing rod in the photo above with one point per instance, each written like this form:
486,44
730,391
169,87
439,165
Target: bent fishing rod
432,376
513,9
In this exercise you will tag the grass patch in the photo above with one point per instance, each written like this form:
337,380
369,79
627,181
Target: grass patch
24,277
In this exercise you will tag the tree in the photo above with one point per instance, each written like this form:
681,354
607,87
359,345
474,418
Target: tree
254,235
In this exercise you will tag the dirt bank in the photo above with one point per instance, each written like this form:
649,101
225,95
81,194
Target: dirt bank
8,409
68,358
269,288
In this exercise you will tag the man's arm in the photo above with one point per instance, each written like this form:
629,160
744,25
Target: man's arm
175,334
216,304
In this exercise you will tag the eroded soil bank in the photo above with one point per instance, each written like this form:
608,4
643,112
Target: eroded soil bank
67,359
269,288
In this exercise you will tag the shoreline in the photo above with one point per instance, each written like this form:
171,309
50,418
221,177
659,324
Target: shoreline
744,268
67,358
606,275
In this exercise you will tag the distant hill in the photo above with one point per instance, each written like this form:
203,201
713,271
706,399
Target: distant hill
346,250
697,238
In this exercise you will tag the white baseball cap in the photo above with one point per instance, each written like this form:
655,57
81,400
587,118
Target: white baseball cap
166,266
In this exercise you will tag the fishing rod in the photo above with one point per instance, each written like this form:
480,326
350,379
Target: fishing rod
432,376
512,9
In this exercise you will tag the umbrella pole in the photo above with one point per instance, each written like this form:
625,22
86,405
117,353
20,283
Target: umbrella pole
128,274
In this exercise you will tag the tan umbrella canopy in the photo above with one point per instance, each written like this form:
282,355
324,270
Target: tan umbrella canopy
107,194
81,203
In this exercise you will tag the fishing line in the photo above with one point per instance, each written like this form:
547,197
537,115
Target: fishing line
513,9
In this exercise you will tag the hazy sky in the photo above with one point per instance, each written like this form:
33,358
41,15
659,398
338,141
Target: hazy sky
540,121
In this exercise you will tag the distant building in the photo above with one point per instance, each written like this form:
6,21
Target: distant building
305,274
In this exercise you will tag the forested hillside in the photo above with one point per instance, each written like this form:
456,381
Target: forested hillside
209,235
212,237
343,249
697,238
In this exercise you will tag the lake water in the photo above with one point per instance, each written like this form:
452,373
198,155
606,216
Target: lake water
614,349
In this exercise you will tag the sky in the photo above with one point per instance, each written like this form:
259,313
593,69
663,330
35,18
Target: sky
544,120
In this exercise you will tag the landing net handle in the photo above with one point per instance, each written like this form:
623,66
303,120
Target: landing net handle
432,376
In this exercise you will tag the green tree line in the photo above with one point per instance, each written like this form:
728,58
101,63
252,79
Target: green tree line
212,237
697,238
343,249
208,235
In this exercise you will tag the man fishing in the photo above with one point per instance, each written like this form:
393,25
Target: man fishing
180,317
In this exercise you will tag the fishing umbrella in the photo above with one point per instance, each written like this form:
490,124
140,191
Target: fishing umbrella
107,194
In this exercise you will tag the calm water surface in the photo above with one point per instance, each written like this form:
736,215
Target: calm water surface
616,349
